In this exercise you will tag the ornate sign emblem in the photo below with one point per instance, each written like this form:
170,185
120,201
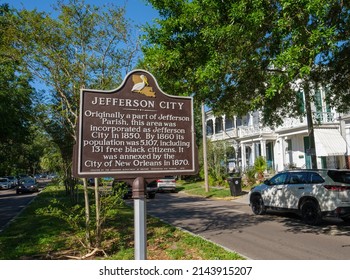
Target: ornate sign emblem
141,86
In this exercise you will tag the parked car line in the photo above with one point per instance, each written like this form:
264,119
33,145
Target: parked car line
5,183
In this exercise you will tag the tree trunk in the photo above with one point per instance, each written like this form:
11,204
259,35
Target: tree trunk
87,213
310,126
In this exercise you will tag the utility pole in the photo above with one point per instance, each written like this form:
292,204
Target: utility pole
205,161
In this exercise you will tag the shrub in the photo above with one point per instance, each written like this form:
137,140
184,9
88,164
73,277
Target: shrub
260,165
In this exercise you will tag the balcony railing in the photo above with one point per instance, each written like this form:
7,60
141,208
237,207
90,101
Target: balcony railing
253,130
293,122
324,117
223,135
288,123
318,117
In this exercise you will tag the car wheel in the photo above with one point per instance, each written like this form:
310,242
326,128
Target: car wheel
257,205
310,212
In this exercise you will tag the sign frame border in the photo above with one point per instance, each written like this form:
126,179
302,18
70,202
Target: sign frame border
133,173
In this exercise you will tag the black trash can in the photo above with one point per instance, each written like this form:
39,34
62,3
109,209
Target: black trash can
235,185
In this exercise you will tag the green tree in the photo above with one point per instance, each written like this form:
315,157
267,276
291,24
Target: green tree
84,46
243,55
217,155
16,100
336,76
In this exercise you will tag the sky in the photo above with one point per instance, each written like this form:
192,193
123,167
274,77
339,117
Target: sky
137,10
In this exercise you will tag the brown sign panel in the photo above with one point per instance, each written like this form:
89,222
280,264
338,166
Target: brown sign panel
135,130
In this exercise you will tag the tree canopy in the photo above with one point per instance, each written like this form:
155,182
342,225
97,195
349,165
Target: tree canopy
80,46
16,101
85,46
240,56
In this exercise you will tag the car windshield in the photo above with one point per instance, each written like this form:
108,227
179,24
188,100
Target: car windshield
29,181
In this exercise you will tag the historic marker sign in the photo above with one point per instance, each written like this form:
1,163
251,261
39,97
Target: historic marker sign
135,130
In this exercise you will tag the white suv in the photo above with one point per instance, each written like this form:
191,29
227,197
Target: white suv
311,193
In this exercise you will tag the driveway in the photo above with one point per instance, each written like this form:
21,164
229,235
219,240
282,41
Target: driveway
231,224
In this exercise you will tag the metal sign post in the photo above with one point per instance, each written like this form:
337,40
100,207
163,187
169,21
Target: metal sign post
140,219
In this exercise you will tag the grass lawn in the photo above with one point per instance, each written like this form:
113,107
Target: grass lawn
198,188
51,227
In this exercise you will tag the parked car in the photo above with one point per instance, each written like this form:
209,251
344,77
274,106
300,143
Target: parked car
168,183
313,194
91,182
27,185
13,181
5,184
52,176
126,188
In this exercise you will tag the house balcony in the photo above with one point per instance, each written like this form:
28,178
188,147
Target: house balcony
324,117
289,123
224,135
247,131
319,118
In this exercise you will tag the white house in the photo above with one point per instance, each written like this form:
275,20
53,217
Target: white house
287,145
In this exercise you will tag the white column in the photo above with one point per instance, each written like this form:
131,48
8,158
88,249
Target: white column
252,155
243,154
263,147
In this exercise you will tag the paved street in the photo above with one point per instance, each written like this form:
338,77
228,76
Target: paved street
11,204
273,236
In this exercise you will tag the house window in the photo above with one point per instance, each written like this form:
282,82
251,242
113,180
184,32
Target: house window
218,125
229,123
330,117
318,101
210,129
318,106
301,101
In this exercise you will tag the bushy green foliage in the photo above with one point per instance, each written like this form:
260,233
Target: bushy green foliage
217,162
74,214
16,103
250,175
260,166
